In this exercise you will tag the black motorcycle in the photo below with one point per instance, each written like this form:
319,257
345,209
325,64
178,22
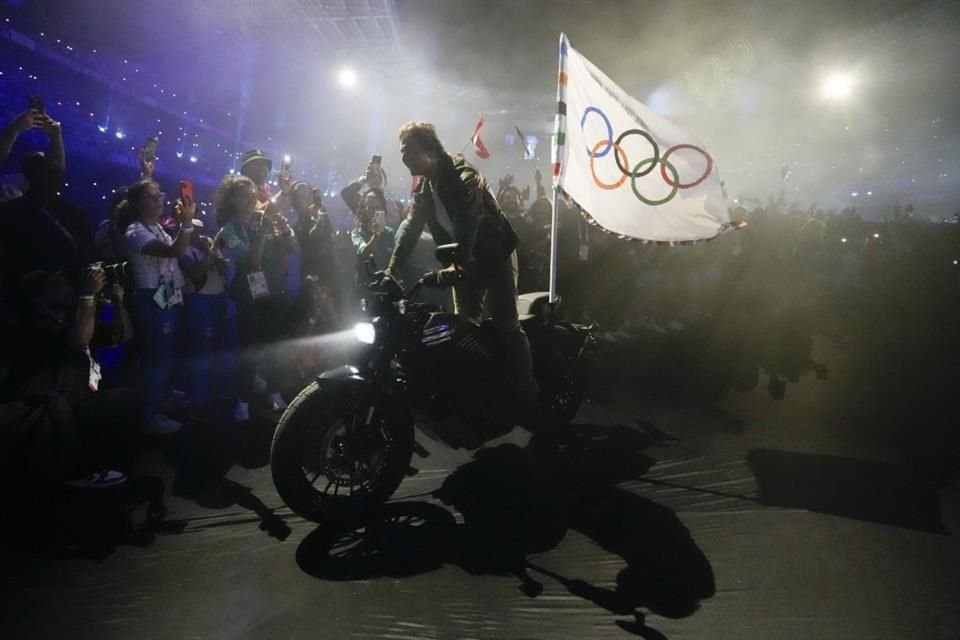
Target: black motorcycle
344,444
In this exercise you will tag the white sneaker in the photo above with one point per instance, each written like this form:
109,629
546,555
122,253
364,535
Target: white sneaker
259,385
161,426
99,479
241,412
275,403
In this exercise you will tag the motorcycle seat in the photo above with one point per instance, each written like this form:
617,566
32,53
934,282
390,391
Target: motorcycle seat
533,304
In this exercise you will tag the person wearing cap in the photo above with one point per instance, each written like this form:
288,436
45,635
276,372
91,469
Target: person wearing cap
255,165
282,260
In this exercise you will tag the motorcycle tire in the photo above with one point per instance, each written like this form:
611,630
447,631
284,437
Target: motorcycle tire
316,447
563,393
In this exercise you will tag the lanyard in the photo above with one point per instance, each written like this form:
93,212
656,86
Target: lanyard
157,232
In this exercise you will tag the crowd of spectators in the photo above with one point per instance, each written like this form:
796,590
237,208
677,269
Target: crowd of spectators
161,302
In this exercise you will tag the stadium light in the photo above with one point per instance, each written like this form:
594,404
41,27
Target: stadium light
837,86
346,77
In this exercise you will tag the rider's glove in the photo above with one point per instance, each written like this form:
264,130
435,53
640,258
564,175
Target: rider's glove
449,276
384,281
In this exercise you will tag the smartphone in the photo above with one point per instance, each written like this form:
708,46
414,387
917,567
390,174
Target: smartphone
379,219
149,151
377,160
286,166
35,104
186,190
318,197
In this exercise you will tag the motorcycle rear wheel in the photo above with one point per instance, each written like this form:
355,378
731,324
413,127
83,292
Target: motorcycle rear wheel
327,464
563,394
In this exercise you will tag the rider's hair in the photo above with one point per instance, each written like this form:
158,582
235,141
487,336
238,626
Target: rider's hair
425,134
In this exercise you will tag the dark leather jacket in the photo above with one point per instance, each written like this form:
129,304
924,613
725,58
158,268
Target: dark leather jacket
479,226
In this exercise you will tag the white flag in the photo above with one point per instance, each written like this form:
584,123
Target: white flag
632,171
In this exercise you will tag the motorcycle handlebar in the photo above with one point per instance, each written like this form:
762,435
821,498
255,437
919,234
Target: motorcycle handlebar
389,286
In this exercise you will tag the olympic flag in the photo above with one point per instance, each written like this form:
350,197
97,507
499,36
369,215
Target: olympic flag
632,171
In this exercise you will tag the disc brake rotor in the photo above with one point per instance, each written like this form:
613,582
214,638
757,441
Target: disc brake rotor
345,456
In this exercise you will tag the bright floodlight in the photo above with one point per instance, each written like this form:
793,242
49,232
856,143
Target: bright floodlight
347,78
837,86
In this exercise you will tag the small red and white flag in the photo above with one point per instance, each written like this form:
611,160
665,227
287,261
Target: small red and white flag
480,148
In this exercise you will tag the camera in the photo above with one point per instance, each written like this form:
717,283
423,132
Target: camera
118,273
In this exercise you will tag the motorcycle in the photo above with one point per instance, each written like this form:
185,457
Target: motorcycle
345,442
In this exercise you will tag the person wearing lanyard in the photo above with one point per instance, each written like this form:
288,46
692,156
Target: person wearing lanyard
157,296
242,238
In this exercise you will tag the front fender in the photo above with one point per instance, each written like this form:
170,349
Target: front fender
343,377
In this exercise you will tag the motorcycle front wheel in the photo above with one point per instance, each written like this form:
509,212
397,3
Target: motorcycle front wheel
336,456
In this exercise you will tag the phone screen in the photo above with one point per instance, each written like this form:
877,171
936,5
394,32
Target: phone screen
186,190
286,165
35,104
150,150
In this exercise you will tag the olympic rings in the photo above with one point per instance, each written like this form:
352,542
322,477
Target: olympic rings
609,131
664,165
620,152
623,163
676,183
656,154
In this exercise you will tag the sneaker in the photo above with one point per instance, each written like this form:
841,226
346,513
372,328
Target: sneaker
161,426
275,403
259,385
241,412
99,480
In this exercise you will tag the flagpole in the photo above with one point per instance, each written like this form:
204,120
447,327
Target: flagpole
553,245
556,168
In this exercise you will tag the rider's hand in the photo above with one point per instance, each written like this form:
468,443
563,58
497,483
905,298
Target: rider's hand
386,282
448,276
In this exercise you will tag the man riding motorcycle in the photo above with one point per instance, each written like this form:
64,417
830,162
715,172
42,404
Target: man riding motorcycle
455,201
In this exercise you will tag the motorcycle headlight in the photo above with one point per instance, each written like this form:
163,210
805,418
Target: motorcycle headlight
365,332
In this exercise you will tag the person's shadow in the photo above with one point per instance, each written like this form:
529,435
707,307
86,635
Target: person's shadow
515,502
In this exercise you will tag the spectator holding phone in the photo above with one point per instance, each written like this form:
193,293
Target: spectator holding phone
40,230
158,291
242,239
34,118
206,319
372,238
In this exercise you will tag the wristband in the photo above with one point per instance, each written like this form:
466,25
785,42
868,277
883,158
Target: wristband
186,229
87,300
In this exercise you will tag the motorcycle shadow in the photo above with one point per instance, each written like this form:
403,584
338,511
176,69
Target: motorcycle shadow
520,501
